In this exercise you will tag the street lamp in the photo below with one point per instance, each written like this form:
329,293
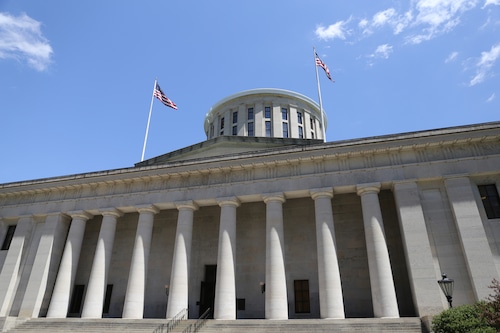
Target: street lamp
447,287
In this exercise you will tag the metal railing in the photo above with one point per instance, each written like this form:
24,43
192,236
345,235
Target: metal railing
172,323
194,328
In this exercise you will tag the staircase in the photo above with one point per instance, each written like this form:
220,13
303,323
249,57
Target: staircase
78,325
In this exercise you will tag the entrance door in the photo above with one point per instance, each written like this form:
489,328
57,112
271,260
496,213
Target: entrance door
207,291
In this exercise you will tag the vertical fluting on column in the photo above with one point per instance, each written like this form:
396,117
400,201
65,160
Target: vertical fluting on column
385,304
94,299
225,284
61,295
179,277
10,269
276,294
133,306
330,286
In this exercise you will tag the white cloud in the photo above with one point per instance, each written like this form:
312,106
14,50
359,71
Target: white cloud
21,39
336,30
383,17
451,57
491,2
485,63
382,51
491,98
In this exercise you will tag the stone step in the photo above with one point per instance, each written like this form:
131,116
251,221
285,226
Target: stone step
78,325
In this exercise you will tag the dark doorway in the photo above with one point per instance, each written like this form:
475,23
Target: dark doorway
207,291
75,305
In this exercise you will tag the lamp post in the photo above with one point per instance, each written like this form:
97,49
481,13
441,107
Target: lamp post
446,286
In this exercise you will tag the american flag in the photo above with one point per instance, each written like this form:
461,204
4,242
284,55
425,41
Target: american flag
158,93
325,68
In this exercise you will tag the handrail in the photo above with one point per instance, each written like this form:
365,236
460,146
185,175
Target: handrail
172,323
194,328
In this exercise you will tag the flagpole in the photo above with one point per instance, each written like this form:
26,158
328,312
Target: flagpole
319,96
149,119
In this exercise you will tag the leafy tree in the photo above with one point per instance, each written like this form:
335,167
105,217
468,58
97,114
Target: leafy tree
490,310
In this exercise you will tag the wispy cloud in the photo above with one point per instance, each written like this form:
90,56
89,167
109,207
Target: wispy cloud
485,63
382,51
491,98
336,30
451,57
21,39
491,2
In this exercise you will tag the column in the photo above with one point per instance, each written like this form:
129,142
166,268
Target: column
10,269
385,304
331,301
478,256
134,298
179,277
225,284
276,294
94,299
44,269
61,295
423,277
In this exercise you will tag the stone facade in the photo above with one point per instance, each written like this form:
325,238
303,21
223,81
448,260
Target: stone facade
252,228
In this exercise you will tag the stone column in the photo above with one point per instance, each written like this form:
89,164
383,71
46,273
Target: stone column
476,249
331,301
133,307
225,285
385,304
423,277
94,299
61,295
43,272
179,277
276,294
10,269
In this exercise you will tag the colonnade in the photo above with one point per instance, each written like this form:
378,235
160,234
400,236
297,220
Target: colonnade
385,304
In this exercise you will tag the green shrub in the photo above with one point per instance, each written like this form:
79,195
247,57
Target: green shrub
461,319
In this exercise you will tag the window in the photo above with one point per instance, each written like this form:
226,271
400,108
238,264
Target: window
301,289
240,304
267,112
312,135
299,117
235,130
301,132
285,130
8,237
284,114
250,129
268,129
491,200
221,132
235,117
76,299
311,122
250,114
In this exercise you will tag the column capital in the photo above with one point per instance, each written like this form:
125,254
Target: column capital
80,214
321,192
111,212
278,196
368,188
229,201
189,204
147,209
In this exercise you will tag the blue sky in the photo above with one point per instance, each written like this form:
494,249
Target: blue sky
76,77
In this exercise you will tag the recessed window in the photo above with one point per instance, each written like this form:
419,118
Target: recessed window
267,112
268,129
311,122
235,117
107,299
222,123
250,114
301,132
250,129
299,117
285,130
240,304
284,114
8,237
491,200
302,302
235,130
76,300
312,135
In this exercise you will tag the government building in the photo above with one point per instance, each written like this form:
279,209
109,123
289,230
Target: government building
263,220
